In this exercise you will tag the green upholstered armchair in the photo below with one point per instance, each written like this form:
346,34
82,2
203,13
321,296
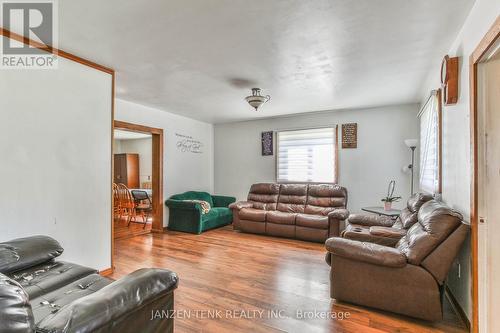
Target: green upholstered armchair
188,216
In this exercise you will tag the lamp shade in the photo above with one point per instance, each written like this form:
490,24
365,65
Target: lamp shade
411,143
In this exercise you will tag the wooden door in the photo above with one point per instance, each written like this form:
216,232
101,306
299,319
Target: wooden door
132,170
120,169
489,193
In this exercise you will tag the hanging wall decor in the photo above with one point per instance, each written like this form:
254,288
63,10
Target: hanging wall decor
267,143
449,80
350,135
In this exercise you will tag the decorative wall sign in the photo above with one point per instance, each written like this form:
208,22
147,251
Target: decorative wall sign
350,135
187,144
267,143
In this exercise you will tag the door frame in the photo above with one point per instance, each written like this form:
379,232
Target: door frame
157,174
482,48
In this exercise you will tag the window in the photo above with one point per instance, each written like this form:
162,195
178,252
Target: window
307,155
430,145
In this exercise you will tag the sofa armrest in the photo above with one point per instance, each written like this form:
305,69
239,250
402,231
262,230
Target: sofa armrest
16,315
181,204
370,220
240,205
336,220
115,302
339,214
222,201
366,252
387,232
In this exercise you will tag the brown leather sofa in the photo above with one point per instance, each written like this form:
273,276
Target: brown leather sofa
310,212
407,279
383,229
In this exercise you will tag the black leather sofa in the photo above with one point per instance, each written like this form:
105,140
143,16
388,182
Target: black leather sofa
40,294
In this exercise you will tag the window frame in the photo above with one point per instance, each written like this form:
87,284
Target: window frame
335,155
438,95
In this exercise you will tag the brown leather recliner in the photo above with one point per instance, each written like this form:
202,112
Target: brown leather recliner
383,229
407,279
308,212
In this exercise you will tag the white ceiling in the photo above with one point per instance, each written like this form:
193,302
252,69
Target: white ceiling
199,58
128,135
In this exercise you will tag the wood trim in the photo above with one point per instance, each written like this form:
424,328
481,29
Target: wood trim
157,182
456,307
484,45
157,160
137,128
107,271
112,170
53,50
440,141
336,156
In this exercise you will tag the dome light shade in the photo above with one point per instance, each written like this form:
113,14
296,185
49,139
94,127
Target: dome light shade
256,99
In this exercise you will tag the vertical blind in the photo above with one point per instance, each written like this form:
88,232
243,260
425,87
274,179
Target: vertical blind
307,155
429,150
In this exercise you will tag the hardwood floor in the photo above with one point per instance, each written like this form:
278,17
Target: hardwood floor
231,271
122,230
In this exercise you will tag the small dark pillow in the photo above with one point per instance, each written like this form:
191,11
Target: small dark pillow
26,252
15,310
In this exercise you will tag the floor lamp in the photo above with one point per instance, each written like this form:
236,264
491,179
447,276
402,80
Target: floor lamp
412,144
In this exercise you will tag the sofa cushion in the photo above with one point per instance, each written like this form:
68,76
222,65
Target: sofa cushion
280,217
222,211
16,315
46,304
312,221
194,195
406,219
416,201
408,216
211,215
22,253
252,214
325,198
264,195
292,198
435,222
49,276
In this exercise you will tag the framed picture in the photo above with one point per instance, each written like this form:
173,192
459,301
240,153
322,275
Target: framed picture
350,135
267,143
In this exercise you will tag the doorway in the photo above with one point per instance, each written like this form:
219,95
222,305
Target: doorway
137,180
485,189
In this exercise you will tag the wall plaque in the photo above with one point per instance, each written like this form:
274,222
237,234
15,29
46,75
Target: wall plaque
267,143
350,135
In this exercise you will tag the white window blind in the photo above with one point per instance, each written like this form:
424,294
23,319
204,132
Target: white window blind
307,155
429,149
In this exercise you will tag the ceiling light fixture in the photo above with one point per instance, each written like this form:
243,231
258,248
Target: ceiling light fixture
256,99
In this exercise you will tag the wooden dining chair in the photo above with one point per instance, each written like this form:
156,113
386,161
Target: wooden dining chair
116,202
127,204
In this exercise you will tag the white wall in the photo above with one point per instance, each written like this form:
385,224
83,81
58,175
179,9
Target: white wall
144,148
365,171
183,171
456,135
56,159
